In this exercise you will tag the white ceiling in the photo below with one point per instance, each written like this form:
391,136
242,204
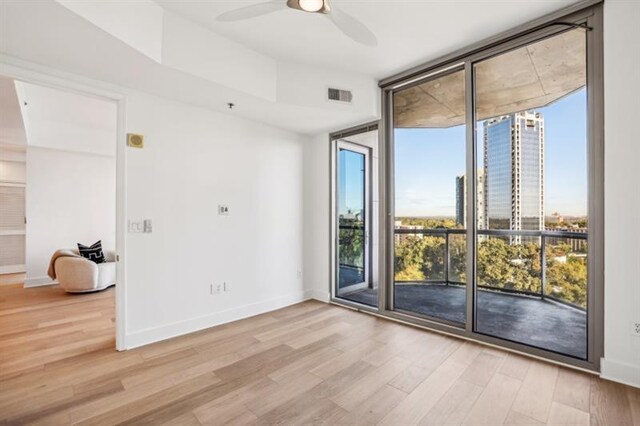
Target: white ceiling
33,115
409,32
58,119
60,39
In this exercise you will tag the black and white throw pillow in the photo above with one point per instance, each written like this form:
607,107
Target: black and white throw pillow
93,252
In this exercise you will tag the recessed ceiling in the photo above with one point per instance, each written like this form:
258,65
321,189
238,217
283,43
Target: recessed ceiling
408,32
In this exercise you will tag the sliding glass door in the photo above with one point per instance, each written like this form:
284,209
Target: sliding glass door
532,235
529,185
493,193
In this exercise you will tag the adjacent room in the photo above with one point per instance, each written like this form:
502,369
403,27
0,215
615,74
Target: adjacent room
305,212
58,195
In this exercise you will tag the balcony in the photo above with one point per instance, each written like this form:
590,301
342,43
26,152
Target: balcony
541,304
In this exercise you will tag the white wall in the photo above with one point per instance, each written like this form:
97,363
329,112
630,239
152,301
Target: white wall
193,161
622,196
307,86
70,199
11,126
316,217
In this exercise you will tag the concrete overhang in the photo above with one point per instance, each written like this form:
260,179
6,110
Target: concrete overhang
523,79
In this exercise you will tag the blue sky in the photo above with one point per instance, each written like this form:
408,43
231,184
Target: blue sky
350,188
427,162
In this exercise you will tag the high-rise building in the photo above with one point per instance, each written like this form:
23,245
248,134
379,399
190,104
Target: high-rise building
461,200
514,172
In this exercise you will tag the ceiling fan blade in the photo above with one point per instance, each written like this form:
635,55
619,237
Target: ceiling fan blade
353,28
252,11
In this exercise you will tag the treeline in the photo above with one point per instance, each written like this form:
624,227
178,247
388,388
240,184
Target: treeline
501,265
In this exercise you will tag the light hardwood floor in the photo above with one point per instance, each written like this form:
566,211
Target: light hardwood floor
310,363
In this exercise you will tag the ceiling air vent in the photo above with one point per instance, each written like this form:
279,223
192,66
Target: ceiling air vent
338,95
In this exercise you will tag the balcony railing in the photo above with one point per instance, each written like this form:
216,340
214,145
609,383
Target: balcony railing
352,236
513,237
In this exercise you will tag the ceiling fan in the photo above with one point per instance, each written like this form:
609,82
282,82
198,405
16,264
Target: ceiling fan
346,23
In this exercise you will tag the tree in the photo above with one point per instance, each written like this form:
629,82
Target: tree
502,264
409,259
351,243
567,280
510,266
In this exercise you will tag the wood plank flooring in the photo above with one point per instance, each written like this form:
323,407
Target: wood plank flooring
310,363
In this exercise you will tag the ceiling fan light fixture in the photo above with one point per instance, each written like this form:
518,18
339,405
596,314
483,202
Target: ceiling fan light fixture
346,23
311,5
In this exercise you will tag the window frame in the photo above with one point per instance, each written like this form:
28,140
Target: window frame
335,141
587,13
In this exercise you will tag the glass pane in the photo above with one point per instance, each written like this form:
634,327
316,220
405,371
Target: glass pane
353,252
430,188
351,202
532,214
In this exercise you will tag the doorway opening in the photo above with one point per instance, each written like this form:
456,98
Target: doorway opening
57,192
354,219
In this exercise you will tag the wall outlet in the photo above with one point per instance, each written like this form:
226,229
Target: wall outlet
223,210
635,328
215,288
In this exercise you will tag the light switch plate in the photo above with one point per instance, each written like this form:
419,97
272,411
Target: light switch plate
136,226
140,226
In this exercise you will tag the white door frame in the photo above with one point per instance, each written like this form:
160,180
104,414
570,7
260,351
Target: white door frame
366,151
44,76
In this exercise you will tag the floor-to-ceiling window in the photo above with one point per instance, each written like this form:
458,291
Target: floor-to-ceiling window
491,195
531,140
430,184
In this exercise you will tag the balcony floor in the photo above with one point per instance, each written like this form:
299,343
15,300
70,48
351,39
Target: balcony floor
523,319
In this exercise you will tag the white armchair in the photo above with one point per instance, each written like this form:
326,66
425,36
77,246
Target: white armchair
80,275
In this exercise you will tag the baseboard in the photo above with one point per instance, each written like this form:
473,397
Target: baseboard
620,372
39,282
156,334
322,296
13,269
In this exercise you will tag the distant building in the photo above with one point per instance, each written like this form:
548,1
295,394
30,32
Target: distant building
555,218
351,216
514,172
576,244
461,200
